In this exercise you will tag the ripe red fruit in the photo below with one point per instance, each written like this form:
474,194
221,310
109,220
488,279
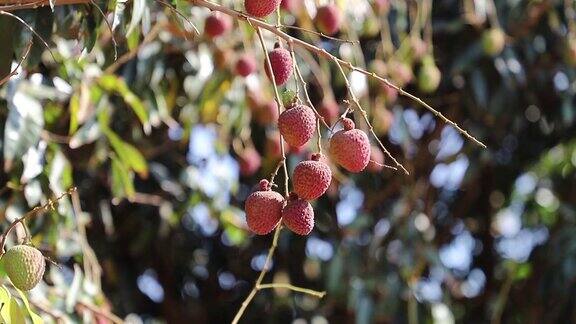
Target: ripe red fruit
298,215
281,62
250,161
292,6
245,65
328,19
311,178
376,163
297,124
263,209
329,110
261,8
217,24
350,147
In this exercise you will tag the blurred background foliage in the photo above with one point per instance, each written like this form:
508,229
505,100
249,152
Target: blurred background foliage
165,143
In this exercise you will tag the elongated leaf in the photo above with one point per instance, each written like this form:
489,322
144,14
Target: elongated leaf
17,315
112,83
138,7
122,185
23,127
5,298
36,319
129,155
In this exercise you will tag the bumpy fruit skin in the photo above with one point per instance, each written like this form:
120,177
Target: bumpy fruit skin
250,161
281,62
261,8
429,77
24,265
245,65
311,178
350,147
217,24
328,19
493,41
263,209
329,110
298,215
297,125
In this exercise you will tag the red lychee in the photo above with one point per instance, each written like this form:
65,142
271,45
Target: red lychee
400,72
376,163
298,215
250,161
297,124
281,62
328,19
292,6
261,8
329,110
263,209
350,147
311,178
217,24
245,65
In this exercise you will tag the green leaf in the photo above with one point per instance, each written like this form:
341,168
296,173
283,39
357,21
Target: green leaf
138,7
36,319
23,127
112,83
122,185
129,155
5,298
17,315
74,110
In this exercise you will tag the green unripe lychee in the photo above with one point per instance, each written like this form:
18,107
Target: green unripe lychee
429,76
24,265
493,41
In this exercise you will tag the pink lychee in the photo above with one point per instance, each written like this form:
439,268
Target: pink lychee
350,147
263,209
298,215
311,178
297,124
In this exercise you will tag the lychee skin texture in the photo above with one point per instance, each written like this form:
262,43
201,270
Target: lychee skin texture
245,65
217,24
24,265
350,147
261,8
298,216
311,178
297,125
328,19
281,61
263,209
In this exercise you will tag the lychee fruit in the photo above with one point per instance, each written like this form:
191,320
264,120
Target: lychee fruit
249,161
493,41
311,178
328,19
281,62
429,76
263,209
291,6
329,110
376,163
418,48
261,8
390,94
267,113
217,24
245,65
350,147
297,124
24,265
298,215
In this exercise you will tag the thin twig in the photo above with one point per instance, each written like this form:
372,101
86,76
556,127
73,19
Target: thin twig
33,212
6,13
319,34
177,12
15,71
314,293
254,290
109,28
